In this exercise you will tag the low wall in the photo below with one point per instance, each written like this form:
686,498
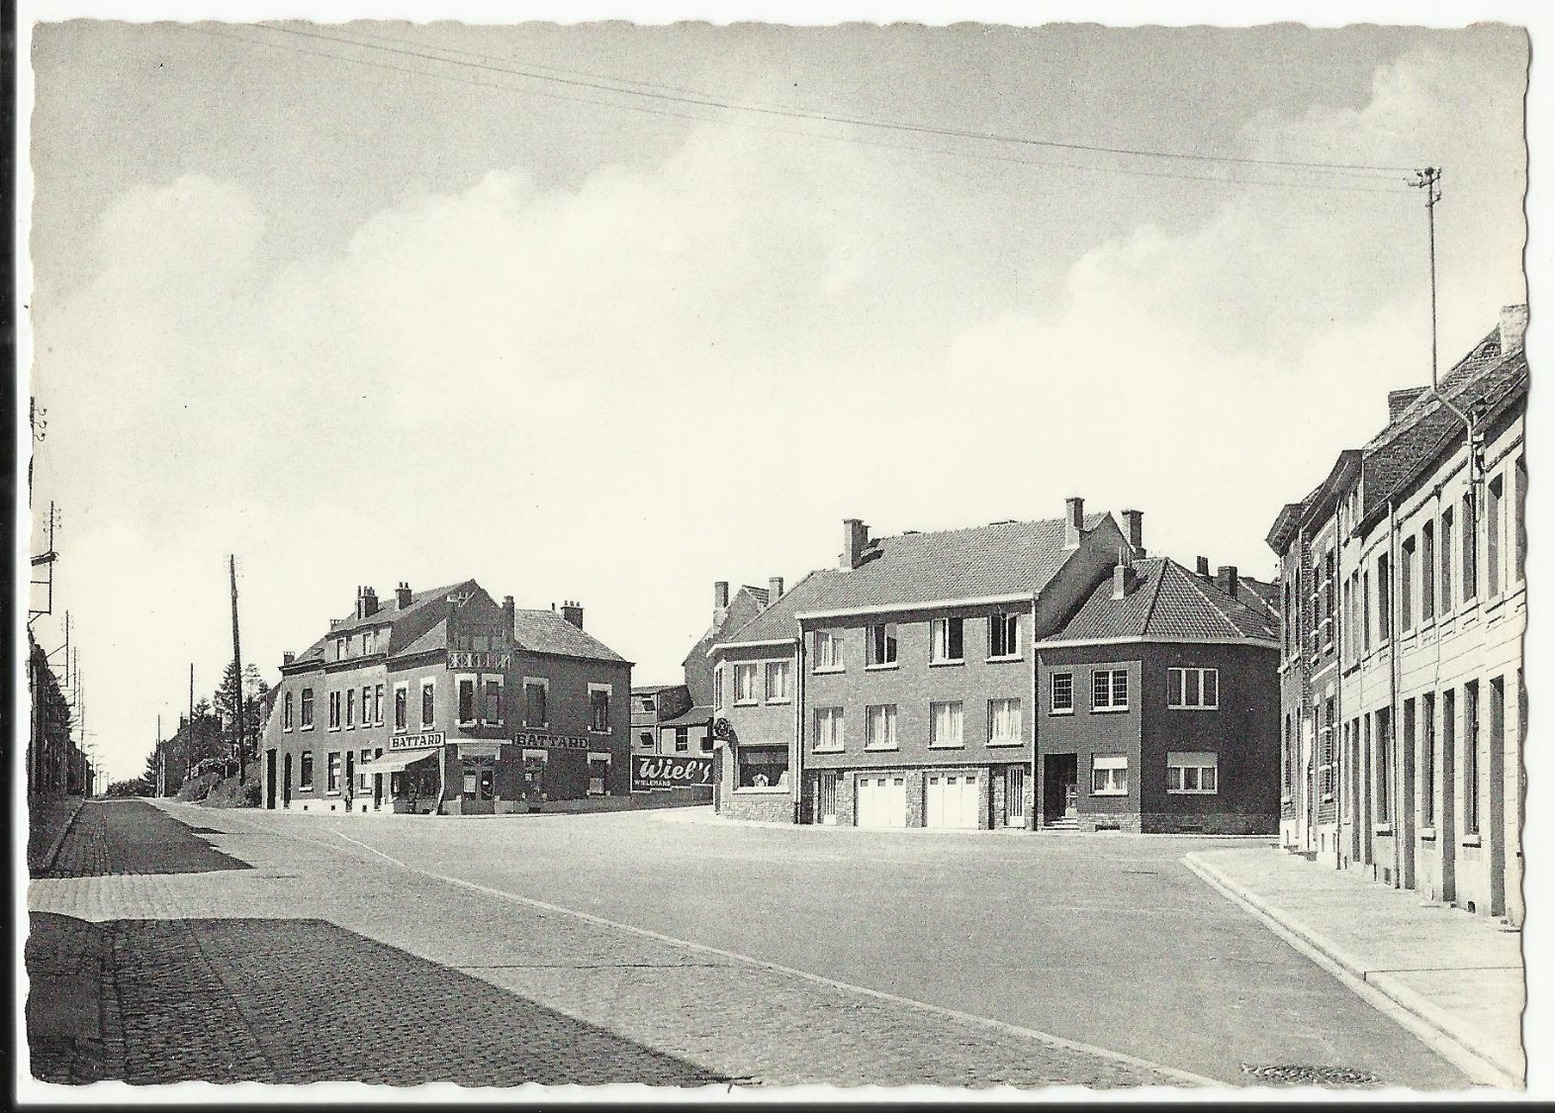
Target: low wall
1209,823
772,806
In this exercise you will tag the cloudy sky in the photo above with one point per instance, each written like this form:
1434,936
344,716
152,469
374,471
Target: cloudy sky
608,313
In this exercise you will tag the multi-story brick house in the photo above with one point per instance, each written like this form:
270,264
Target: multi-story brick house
729,613
1414,769
1158,704
896,689
444,701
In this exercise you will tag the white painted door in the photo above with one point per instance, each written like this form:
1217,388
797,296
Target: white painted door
882,801
950,800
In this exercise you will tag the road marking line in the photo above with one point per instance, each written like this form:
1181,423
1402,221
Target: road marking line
1477,1068
847,987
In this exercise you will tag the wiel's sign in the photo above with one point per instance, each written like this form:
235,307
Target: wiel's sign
657,771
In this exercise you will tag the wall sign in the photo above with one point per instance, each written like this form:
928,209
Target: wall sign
479,659
424,741
657,771
554,741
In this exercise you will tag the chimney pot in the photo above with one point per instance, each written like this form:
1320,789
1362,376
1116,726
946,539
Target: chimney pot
1074,521
1514,324
774,589
1225,578
287,657
1134,530
402,595
1202,567
572,611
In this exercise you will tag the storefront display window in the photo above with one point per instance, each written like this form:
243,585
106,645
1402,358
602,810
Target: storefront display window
762,766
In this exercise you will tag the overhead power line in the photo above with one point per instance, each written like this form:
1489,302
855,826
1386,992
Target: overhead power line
1369,175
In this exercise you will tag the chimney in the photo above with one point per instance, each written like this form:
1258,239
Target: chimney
287,657
1074,521
1134,530
1203,567
402,595
1514,323
507,615
1398,401
720,603
369,602
1225,579
572,611
1123,576
855,539
774,589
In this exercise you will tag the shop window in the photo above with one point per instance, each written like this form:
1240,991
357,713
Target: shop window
1004,634
307,709
1061,684
945,643
479,778
1109,775
536,713
599,708
881,645
305,771
1193,774
762,766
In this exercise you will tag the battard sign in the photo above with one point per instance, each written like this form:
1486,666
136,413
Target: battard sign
652,771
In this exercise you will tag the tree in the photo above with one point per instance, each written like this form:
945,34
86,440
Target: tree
226,702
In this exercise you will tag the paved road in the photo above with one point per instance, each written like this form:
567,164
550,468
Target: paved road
1107,941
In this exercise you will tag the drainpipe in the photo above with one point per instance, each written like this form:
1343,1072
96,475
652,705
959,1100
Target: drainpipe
1395,595
799,718
1339,742
1036,715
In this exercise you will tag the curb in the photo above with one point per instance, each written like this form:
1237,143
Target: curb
1438,1030
46,863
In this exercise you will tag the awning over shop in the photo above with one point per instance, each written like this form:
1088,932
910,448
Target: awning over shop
394,763
479,749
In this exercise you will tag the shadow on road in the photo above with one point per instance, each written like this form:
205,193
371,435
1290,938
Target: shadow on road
130,836
295,1001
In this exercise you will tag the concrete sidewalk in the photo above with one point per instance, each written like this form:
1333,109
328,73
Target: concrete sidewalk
1453,978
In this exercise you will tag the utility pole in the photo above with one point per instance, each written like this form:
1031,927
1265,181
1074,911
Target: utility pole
1430,180
161,762
237,662
189,733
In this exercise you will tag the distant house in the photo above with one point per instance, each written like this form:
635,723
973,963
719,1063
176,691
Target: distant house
445,701
665,721
728,614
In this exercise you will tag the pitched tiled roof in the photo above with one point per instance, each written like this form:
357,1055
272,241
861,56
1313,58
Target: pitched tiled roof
1167,603
389,612
549,632
694,716
908,569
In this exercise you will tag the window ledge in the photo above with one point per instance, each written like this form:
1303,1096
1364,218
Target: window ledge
1004,659
1110,792
1193,792
822,670
1287,799
593,730
1472,840
829,750
1006,742
881,668
950,662
770,790
881,749
1190,707
308,727
947,745
1382,829
747,703
1428,834
1107,710
784,699
1061,711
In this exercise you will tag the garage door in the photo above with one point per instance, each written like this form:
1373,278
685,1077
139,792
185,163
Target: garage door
950,800
882,801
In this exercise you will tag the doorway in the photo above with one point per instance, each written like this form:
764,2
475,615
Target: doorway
286,782
1060,789
270,779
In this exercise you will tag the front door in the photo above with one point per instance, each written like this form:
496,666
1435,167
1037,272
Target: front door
826,798
1060,787
377,791
350,783
270,779
1015,796
286,782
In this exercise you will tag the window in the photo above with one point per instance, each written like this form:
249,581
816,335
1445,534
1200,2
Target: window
746,676
305,772
1286,764
369,641
1004,634
1428,760
364,781
645,739
762,766
286,715
829,732
1195,688
1406,584
718,687
945,640
1109,690
1003,721
332,781
1325,750
536,714
1470,568
828,650
682,740
1384,601
882,645
340,648
350,708
334,711
945,723
367,704
466,702
1192,774
1427,572
1447,560
428,703
1285,623
778,675
1493,538
1329,590
1062,686
880,727
401,706
491,713
1384,776
707,741
1471,758
599,708
1520,512
1109,775
1366,610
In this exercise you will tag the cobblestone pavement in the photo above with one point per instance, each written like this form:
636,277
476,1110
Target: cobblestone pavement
47,816
130,837
705,1015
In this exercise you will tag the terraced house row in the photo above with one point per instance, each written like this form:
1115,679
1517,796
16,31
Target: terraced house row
1020,674
1403,706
